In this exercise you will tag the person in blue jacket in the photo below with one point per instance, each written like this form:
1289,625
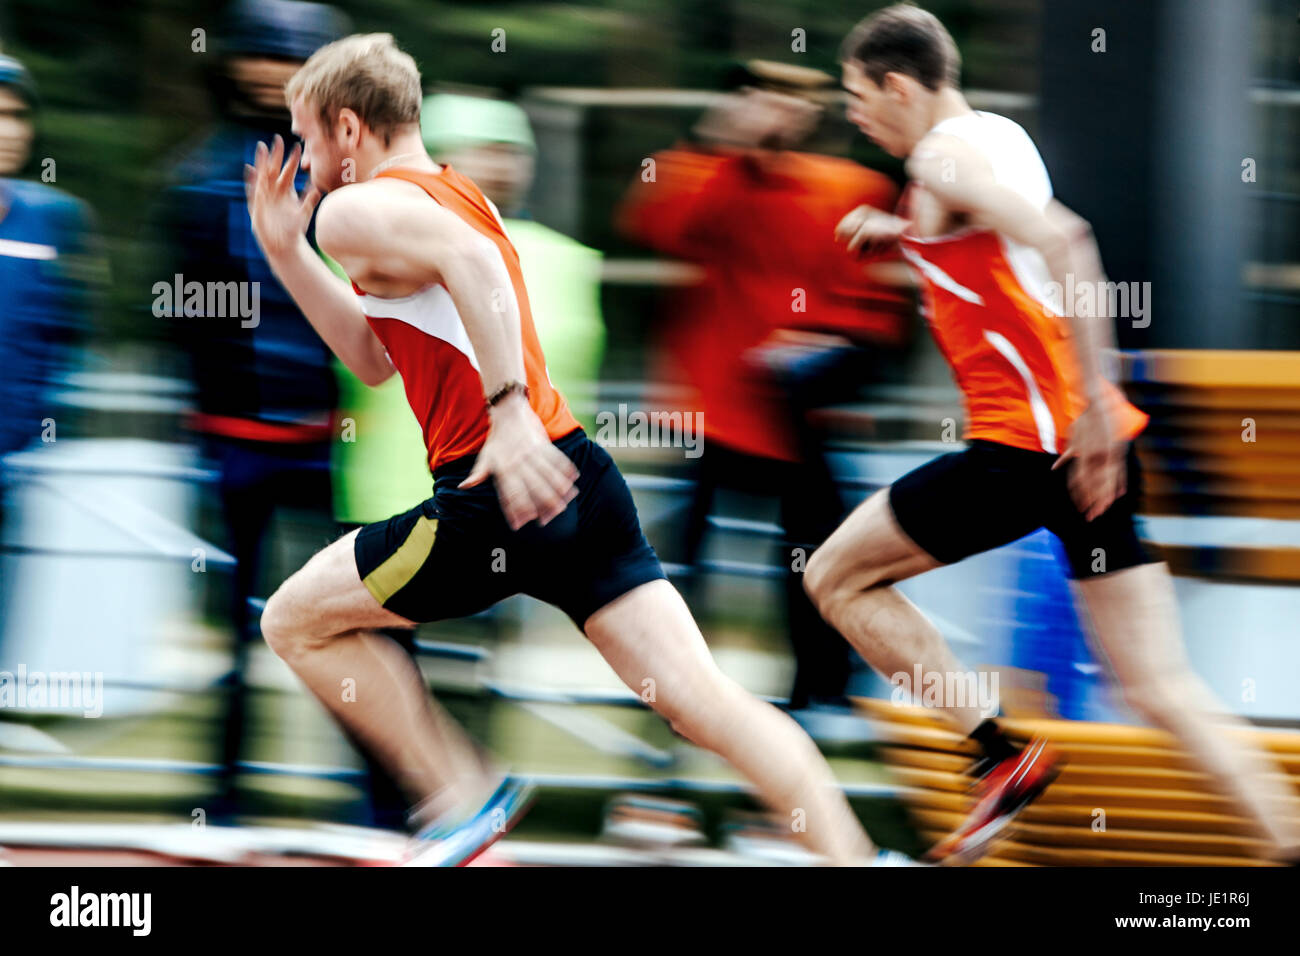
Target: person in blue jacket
266,395
46,278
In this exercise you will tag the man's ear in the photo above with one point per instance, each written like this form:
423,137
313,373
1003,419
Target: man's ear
899,85
348,124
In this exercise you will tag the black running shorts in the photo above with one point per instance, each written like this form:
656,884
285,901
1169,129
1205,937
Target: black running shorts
455,555
988,495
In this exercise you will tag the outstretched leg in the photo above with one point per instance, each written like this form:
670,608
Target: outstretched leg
851,578
654,645
1135,618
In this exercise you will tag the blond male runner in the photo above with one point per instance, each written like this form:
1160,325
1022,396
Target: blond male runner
437,297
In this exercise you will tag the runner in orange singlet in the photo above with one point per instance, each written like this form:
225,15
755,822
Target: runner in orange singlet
1048,435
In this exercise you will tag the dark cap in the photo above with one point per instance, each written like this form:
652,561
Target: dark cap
14,75
286,29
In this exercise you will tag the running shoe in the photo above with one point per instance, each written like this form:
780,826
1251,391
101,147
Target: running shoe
895,858
1008,787
457,844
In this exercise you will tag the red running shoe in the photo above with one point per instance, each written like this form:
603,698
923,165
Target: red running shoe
1008,787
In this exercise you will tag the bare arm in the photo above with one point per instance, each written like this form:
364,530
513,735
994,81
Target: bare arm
1062,238
389,237
385,240
280,221
1087,261
332,308
961,179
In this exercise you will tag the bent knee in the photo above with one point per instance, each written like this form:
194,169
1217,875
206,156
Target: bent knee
830,582
699,715
682,720
277,625
819,577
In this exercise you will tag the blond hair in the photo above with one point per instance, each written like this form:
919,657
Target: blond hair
366,73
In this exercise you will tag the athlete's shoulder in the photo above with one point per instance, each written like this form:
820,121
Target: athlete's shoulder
986,117
342,217
1011,136
1001,147
362,213
1005,123
36,195
685,160
463,196
942,156
832,170
355,198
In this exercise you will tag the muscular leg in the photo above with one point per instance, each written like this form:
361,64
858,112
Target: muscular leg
322,623
648,635
850,579
1135,618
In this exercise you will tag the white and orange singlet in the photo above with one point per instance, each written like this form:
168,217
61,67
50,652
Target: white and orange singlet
989,303
428,345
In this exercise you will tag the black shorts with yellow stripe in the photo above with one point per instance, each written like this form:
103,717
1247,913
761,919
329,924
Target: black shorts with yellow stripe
454,554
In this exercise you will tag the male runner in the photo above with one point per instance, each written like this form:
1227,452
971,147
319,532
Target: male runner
437,297
1048,433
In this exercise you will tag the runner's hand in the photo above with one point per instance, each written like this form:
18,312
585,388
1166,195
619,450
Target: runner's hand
534,479
279,217
870,231
1097,476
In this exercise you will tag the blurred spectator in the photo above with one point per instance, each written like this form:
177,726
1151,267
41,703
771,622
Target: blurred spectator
47,271
783,321
491,142
266,391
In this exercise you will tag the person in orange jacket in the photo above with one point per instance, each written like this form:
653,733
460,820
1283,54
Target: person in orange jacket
784,320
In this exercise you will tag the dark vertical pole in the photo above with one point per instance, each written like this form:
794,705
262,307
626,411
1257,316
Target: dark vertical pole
1146,140
1202,212
1096,131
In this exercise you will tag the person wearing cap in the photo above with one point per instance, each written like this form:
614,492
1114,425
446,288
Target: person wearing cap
491,141
782,322
47,272
266,391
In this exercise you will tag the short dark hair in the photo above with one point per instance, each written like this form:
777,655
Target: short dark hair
904,39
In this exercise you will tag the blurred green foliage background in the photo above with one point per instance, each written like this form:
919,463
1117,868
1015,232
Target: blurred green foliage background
123,88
